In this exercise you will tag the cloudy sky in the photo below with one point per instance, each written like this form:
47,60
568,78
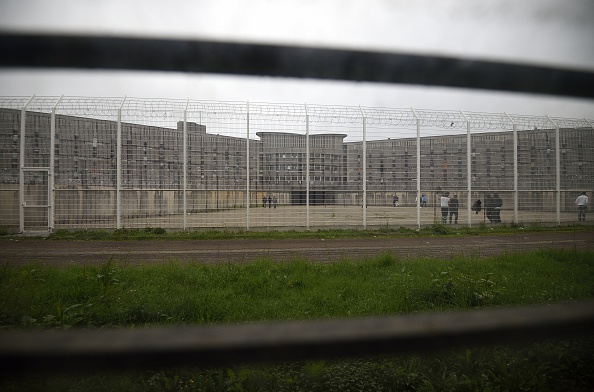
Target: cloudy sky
544,32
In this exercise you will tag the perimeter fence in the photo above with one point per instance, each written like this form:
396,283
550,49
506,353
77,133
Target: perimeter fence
84,162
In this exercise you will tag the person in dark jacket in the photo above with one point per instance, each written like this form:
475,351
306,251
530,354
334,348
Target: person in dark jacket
454,209
477,206
497,203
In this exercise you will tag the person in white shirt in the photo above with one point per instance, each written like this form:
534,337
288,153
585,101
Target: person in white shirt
444,202
582,205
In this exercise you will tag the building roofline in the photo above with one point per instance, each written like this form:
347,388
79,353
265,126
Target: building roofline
343,135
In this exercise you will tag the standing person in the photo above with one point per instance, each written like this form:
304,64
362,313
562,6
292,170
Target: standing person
423,200
497,203
274,201
444,202
476,206
395,200
269,201
263,200
582,205
489,207
453,205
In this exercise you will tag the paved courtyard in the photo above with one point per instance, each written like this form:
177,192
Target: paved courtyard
295,217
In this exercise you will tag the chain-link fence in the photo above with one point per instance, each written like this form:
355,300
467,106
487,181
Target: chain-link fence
78,162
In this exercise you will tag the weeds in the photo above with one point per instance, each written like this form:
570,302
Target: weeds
552,365
440,228
451,288
118,295
122,296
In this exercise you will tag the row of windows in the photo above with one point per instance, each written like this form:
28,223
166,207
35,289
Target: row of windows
149,146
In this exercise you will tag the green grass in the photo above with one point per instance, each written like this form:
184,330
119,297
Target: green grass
114,295
118,295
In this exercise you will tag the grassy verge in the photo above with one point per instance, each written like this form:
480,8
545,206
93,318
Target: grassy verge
113,295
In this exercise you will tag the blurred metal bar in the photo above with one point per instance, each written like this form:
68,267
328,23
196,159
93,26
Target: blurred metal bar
120,349
104,52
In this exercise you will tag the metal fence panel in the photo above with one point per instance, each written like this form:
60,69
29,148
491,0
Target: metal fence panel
79,162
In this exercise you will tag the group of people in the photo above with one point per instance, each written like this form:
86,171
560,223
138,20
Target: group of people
449,207
271,200
493,203
396,200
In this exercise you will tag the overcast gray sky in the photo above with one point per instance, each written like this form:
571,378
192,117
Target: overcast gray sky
545,32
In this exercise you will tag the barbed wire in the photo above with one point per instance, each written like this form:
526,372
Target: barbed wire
101,108
532,122
154,108
168,109
489,121
389,117
572,122
218,109
14,102
290,112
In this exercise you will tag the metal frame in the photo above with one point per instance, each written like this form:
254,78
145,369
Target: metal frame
226,345
23,351
92,52
359,119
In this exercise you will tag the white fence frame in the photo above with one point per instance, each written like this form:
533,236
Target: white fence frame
411,119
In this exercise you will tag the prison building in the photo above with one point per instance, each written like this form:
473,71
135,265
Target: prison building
153,170
283,161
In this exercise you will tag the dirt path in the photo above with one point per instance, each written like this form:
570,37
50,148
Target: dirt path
20,252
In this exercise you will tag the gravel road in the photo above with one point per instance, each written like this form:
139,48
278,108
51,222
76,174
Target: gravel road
61,253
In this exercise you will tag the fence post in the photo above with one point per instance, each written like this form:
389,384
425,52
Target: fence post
557,170
515,136
306,169
51,174
185,167
22,167
119,168
468,170
418,198
364,123
247,171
